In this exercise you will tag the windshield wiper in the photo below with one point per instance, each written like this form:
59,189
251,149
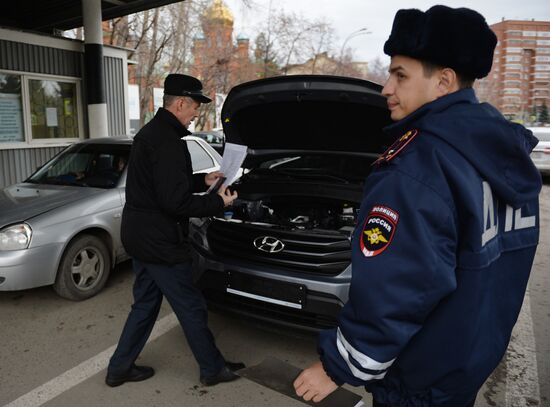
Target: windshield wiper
268,171
63,182
303,173
32,181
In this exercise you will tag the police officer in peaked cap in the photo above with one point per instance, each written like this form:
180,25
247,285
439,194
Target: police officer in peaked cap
447,230
160,198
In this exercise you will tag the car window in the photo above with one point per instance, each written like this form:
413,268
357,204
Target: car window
214,139
85,165
200,159
211,138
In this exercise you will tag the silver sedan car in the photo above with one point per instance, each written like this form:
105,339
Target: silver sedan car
541,153
62,225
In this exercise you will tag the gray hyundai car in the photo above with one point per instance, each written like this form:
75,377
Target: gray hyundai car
61,226
282,252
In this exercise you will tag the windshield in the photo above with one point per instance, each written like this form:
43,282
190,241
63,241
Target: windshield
330,168
85,165
211,138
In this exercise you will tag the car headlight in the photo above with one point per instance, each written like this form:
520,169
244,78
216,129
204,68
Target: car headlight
15,237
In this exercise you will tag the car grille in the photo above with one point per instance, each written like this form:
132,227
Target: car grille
313,252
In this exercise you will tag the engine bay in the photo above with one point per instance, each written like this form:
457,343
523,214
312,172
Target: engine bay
296,213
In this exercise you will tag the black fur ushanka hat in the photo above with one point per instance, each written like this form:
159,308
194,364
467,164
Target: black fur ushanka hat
458,38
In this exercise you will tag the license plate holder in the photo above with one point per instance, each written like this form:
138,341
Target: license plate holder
266,290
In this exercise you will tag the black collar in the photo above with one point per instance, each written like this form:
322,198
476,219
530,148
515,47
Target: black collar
168,117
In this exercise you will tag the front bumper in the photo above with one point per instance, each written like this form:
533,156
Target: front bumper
29,268
323,299
541,159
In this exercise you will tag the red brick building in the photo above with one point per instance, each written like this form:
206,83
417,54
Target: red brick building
519,81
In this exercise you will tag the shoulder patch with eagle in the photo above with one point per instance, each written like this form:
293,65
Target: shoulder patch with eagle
378,230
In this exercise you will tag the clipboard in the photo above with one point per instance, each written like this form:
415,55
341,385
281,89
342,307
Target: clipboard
279,376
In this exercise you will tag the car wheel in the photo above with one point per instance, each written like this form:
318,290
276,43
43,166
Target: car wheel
84,268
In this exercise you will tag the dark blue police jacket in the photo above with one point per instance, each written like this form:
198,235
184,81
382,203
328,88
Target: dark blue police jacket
442,252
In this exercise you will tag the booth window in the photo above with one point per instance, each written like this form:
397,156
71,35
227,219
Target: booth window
53,109
11,112
38,110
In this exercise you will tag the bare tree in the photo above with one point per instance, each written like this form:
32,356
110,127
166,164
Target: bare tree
265,55
378,71
161,40
294,31
320,41
265,52
154,38
289,38
185,24
119,32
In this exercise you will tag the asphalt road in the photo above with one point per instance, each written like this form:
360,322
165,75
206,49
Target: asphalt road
53,352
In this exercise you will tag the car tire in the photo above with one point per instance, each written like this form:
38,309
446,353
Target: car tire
84,268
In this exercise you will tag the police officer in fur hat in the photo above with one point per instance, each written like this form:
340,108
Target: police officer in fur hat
159,201
447,231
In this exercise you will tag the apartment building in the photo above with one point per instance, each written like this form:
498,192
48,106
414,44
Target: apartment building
519,82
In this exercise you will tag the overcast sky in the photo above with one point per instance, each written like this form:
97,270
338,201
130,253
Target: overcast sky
348,16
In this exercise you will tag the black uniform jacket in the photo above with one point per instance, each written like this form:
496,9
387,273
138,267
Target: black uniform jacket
159,193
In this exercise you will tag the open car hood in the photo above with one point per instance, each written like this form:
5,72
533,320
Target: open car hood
306,113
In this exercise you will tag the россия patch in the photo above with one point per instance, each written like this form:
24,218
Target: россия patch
378,230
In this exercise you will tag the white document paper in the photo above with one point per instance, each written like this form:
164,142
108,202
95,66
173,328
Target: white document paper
51,117
233,157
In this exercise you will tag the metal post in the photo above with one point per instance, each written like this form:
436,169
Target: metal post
93,67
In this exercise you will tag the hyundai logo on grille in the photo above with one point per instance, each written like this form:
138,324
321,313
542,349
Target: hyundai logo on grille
268,244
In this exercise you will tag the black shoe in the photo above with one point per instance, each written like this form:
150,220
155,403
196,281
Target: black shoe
234,366
135,374
225,375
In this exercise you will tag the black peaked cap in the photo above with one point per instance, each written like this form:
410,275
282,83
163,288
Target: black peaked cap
177,84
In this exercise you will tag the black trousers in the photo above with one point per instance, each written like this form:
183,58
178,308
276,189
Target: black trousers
153,281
